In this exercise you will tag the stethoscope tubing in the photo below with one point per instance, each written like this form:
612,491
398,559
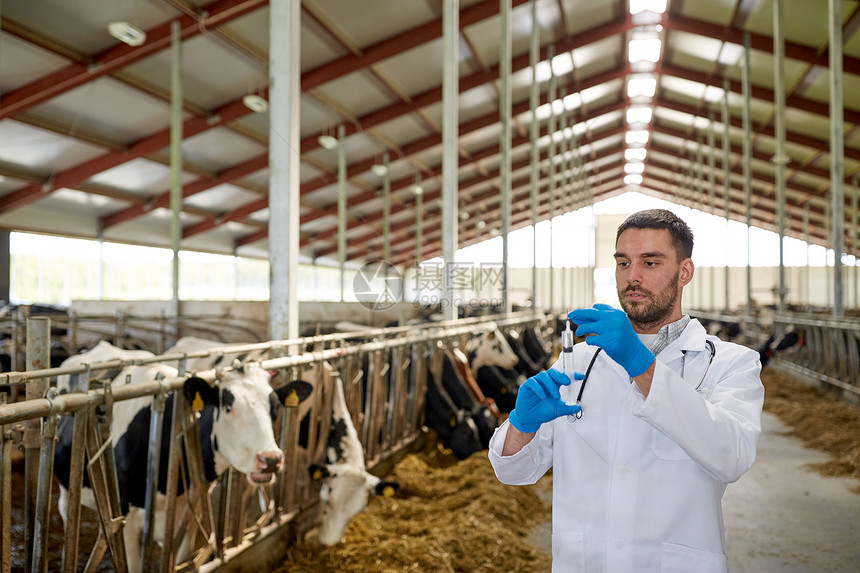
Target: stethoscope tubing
711,347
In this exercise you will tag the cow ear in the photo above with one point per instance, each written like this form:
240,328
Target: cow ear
199,393
292,394
387,488
318,472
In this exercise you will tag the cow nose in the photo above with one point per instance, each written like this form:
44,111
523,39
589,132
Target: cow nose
269,462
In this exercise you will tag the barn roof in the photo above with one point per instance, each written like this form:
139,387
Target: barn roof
84,117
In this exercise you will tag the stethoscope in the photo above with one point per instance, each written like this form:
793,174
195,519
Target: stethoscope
711,347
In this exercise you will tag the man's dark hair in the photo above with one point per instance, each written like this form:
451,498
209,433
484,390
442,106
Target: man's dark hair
682,236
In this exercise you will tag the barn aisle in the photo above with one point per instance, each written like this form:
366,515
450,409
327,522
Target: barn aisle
783,518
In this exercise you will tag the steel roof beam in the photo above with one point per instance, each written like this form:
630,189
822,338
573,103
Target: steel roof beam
759,42
121,55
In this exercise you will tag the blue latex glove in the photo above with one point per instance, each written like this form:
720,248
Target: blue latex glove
615,335
539,401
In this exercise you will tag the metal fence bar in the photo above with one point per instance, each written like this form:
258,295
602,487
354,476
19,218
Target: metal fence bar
830,352
5,494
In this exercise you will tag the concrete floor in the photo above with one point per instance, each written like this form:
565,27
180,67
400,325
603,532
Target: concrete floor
780,517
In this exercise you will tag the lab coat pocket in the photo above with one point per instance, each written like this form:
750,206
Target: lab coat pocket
682,559
568,551
666,449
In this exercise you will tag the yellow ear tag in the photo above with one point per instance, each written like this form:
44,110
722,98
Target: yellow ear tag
388,491
197,404
504,390
318,474
453,421
292,399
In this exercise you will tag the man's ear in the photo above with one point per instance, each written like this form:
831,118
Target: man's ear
685,274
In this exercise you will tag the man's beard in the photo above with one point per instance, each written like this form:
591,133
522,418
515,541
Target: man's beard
653,310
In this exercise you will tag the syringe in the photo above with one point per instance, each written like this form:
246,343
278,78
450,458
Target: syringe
567,350
567,358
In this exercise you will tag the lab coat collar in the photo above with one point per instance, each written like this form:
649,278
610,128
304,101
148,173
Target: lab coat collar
692,340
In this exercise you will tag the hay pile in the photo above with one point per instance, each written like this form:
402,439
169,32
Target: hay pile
820,419
444,518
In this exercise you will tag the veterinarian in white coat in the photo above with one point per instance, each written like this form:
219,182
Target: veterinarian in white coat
667,420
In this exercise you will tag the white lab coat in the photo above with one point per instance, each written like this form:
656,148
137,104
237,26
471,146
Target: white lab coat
637,483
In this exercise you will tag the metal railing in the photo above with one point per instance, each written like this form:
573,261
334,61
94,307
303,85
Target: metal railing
830,351
384,376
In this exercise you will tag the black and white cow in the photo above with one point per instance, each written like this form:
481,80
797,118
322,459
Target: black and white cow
792,338
490,349
346,483
458,384
526,366
537,345
500,384
222,356
493,360
455,426
235,431
104,351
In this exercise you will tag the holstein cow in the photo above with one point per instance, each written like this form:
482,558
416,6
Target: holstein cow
235,431
527,366
539,350
454,425
104,351
464,392
346,483
791,338
219,359
492,361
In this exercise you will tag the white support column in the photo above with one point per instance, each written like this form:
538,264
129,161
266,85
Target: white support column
712,199
419,220
781,158
341,206
175,157
450,159
565,173
284,183
747,163
837,151
505,145
727,184
534,132
855,235
386,212
551,169
808,295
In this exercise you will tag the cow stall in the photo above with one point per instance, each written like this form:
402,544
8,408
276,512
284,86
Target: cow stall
384,378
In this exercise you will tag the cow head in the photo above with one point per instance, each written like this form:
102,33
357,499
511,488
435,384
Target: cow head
491,349
344,493
243,406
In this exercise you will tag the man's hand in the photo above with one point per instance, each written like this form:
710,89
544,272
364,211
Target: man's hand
615,335
539,401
